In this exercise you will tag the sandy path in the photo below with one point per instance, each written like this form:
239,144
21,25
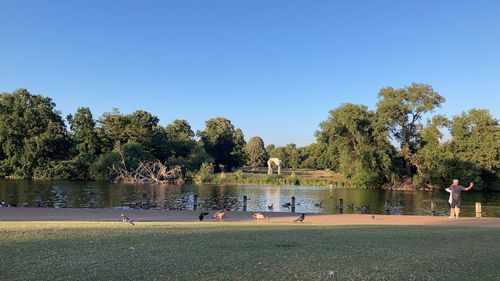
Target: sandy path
49,214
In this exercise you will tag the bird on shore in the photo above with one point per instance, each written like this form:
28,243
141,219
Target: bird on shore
219,215
202,215
259,216
270,207
318,204
301,218
127,220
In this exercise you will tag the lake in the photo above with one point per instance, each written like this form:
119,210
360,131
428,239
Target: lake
66,194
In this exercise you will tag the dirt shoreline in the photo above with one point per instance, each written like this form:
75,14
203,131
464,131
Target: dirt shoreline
73,214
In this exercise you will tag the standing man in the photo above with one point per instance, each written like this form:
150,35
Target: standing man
456,199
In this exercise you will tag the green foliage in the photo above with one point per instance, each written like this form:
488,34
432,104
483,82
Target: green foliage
223,142
132,154
138,127
206,173
32,133
351,134
256,152
35,143
180,138
102,168
86,143
292,156
193,161
401,111
62,170
472,153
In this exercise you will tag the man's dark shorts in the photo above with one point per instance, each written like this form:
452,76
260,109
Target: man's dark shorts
456,203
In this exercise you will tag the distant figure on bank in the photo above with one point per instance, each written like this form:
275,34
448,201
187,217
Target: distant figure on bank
456,197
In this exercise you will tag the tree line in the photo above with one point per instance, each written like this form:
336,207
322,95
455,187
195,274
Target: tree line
398,143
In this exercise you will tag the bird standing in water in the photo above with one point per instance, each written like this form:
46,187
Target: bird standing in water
202,215
301,218
219,215
127,220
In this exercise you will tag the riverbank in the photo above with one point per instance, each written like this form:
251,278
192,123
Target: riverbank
113,215
302,177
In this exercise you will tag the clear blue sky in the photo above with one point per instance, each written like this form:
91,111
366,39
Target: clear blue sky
274,68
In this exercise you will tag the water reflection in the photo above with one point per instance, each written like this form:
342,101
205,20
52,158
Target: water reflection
63,194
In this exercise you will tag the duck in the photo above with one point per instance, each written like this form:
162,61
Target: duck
258,216
287,205
219,215
270,207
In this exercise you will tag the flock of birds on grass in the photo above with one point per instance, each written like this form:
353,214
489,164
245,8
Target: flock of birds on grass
219,216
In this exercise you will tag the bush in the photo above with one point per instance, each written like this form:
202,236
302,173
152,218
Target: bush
206,173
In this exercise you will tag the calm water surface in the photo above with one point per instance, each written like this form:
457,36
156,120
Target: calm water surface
65,194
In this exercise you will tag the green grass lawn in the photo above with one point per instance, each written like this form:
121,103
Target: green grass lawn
244,251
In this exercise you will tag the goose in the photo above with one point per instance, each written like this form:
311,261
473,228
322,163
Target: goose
258,216
219,215
127,220
301,218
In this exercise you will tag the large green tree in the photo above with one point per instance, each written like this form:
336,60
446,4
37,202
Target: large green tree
292,156
181,147
434,155
256,152
175,140
138,127
32,133
84,135
401,111
351,135
476,146
223,142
